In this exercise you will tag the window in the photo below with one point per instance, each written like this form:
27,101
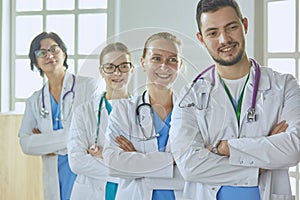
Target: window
282,41
81,24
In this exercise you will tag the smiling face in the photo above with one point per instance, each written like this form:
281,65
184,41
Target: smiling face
162,62
223,34
52,62
116,80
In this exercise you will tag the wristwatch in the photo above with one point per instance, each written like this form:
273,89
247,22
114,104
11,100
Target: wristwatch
215,148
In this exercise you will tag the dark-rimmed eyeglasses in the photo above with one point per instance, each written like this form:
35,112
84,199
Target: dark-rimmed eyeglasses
42,53
110,68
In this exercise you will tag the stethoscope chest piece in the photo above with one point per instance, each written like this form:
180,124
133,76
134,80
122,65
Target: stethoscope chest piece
44,113
251,116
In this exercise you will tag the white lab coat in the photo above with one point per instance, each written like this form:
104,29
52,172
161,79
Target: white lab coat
50,141
92,173
144,170
192,129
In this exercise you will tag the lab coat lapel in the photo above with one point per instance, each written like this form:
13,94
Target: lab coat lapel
67,102
168,142
222,103
46,123
150,145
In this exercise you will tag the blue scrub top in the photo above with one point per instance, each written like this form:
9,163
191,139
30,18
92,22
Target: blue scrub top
238,193
110,188
162,127
65,175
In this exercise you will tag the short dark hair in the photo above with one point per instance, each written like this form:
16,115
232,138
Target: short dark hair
36,45
214,5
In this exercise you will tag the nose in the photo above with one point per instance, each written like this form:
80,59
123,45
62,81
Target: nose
117,71
49,54
163,64
224,37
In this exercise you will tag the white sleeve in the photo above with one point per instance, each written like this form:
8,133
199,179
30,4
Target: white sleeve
39,144
278,151
138,164
79,141
195,162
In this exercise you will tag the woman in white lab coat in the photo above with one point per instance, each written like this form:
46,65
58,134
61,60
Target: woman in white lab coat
89,124
146,165
45,126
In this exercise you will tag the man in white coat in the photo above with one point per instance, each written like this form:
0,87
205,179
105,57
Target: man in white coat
221,130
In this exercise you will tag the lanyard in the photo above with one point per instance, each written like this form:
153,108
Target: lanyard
108,108
237,107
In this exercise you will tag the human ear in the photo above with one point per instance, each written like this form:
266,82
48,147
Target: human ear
200,38
245,24
142,60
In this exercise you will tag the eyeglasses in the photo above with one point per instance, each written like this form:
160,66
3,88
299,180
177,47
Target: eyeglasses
41,53
110,68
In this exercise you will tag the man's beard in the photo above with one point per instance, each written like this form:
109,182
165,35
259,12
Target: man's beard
222,62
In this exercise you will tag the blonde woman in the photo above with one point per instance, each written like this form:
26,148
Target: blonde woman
89,124
137,147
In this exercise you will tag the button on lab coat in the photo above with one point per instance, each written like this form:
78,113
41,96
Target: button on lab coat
192,129
92,173
52,141
142,171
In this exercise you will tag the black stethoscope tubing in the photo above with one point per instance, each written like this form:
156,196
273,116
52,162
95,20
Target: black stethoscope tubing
139,120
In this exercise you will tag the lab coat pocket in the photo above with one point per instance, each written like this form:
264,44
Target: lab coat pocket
282,197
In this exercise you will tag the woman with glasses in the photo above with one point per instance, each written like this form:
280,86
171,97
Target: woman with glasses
137,148
89,124
45,126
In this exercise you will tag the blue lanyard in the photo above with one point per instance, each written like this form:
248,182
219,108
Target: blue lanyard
108,108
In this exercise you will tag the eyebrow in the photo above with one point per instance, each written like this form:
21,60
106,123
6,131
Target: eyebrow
157,54
49,47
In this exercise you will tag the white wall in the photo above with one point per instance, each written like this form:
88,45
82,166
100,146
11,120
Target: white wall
135,20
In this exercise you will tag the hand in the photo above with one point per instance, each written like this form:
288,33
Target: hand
51,154
95,151
261,171
125,144
223,148
281,127
36,131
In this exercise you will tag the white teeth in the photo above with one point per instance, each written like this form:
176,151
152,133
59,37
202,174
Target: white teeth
227,49
163,76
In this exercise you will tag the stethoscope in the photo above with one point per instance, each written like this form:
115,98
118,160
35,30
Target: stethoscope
108,108
143,112
44,112
251,115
